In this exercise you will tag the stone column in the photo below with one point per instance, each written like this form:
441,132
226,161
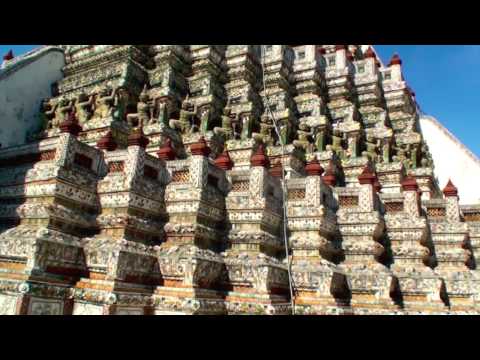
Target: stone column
256,276
361,226
450,237
320,286
420,288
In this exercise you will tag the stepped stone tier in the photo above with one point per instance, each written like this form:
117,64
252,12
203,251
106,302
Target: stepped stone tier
154,185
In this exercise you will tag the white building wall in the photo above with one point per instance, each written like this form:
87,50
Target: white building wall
452,160
23,84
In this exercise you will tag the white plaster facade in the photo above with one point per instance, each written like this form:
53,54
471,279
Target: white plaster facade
24,82
452,160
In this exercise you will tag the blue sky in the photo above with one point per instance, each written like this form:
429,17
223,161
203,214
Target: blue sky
446,80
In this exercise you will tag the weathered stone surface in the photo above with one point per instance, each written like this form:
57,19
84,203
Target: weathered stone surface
156,187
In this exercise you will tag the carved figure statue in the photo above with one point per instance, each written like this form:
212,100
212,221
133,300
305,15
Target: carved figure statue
337,140
84,107
184,123
266,128
227,130
414,154
144,111
64,108
402,156
47,114
372,148
427,160
304,135
105,101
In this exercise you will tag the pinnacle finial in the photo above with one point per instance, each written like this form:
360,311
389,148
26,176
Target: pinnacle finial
329,178
167,152
107,142
223,161
137,138
70,124
409,184
259,158
8,56
450,190
370,53
200,148
395,60
366,177
313,168
350,56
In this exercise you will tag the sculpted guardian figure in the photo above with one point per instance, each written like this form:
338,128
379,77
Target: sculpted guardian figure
227,130
64,108
402,156
47,114
105,101
266,128
372,148
304,134
337,140
84,107
144,113
427,160
184,123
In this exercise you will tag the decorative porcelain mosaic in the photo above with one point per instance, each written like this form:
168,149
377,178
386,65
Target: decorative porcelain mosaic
155,187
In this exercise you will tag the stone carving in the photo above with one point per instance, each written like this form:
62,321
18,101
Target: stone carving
47,114
337,143
372,148
185,124
98,223
228,129
104,102
7,305
84,107
266,134
304,140
144,115
63,109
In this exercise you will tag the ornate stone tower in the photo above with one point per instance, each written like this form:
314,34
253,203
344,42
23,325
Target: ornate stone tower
231,179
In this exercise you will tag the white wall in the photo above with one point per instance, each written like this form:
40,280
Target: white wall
23,85
452,160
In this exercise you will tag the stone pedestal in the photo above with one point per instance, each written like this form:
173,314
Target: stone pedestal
320,286
421,289
255,275
450,237
190,260
372,284
53,207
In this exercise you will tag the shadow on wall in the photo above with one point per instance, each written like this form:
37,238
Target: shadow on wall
14,169
24,83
